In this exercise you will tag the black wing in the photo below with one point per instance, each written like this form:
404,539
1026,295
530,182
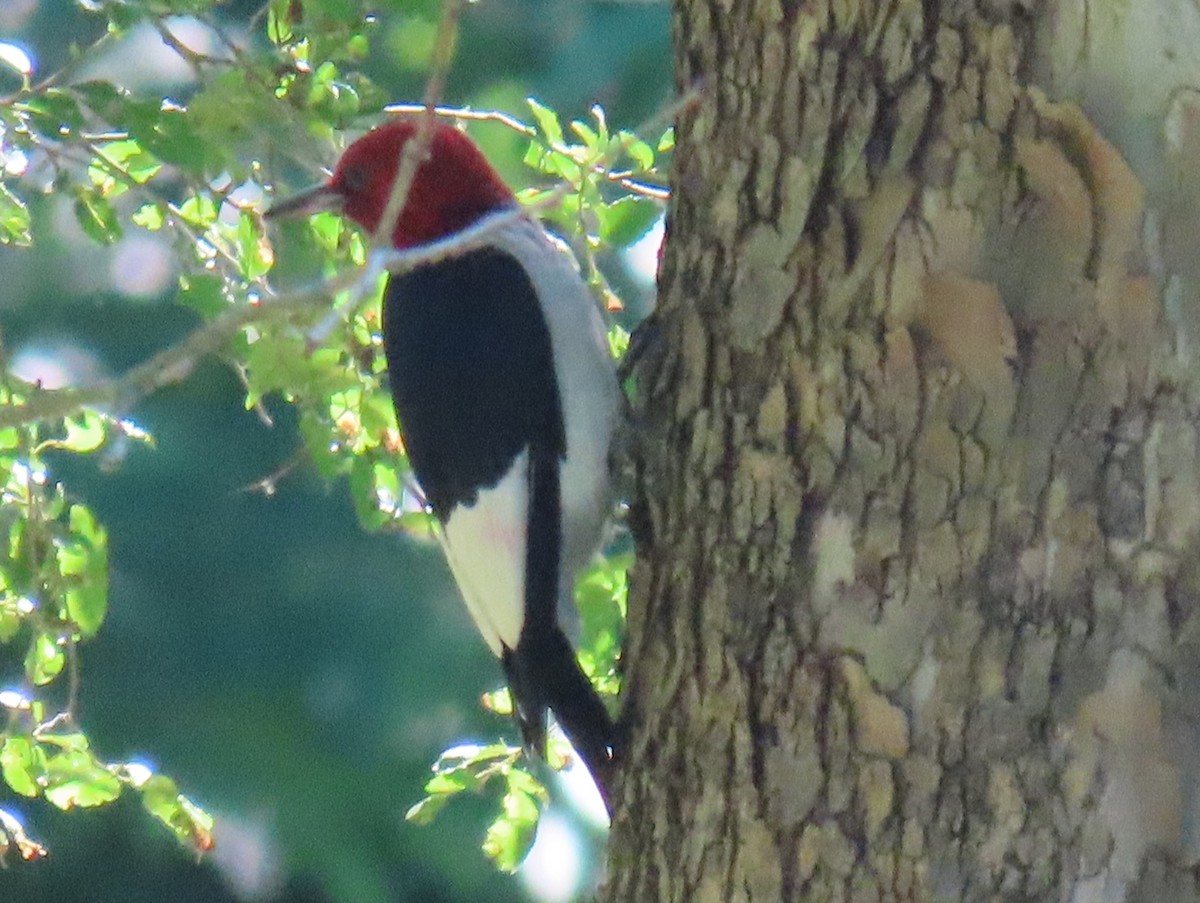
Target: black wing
472,374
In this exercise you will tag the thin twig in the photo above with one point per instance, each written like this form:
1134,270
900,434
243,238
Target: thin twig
194,59
645,189
466,114
412,155
414,152
60,74
174,363
624,178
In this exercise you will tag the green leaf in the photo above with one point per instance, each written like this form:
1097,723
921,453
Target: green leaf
424,812
53,112
601,123
547,121
14,220
124,16
641,153
87,605
85,562
190,824
73,741
168,133
279,22
418,524
498,701
96,216
415,39
552,162
590,139
256,256
327,229
511,835
84,524
204,293
131,158
626,220
228,109
452,782
105,99
362,491
667,141
13,611
199,210
76,778
150,217
83,435
44,661
23,764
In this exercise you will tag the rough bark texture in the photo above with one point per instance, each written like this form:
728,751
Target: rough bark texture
915,615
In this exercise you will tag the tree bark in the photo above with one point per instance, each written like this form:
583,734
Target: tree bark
914,615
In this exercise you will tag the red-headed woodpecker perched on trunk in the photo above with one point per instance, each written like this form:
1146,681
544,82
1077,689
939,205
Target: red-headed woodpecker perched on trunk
506,396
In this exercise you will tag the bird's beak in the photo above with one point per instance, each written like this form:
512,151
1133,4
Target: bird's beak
321,199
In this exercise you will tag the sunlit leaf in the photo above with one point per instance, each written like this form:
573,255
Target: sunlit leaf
84,434
23,764
190,824
279,21
641,153
498,701
150,217
131,159
547,121
14,220
76,778
44,661
424,812
511,835
199,210
86,560
588,134
255,255
451,782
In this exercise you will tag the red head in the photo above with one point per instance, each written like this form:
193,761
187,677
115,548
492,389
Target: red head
452,188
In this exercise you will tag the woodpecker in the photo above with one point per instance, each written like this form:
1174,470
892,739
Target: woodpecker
506,396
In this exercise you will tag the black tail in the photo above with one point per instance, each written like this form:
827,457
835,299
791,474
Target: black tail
542,671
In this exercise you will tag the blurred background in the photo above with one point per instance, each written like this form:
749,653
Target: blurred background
295,675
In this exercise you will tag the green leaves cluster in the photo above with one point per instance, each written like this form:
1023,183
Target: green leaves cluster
613,198
601,595
473,768
54,596
261,118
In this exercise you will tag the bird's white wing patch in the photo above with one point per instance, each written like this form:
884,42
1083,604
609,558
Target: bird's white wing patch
485,545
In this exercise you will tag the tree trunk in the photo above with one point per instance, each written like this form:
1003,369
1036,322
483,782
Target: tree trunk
915,613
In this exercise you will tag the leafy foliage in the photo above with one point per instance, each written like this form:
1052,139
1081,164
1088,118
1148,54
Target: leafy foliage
199,170
53,580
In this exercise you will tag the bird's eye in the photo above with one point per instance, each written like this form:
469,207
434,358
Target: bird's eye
355,179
